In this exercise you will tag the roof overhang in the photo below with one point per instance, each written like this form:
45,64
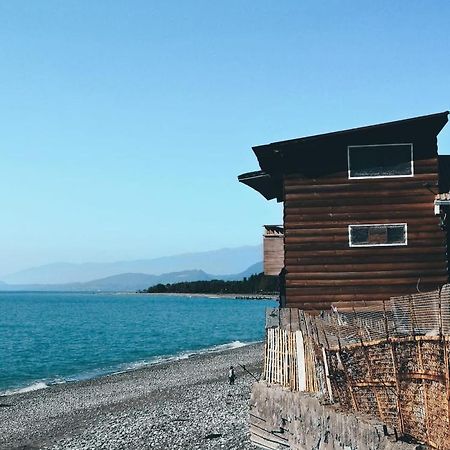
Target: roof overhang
321,154
269,187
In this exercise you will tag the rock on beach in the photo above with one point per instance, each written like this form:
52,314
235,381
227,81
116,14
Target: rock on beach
184,404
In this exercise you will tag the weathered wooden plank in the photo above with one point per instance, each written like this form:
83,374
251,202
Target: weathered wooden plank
342,237
391,215
365,267
306,230
318,259
341,178
373,198
293,245
361,291
367,275
362,282
362,207
402,254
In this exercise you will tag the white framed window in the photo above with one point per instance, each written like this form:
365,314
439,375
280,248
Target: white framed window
378,235
380,161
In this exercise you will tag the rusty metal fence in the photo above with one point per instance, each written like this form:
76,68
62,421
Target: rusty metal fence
390,361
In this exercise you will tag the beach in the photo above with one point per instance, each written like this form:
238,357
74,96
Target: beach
182,404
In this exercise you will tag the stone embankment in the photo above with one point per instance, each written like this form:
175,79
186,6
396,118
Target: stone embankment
282,419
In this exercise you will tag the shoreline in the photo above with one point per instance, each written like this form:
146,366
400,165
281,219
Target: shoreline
36,385
274,297
184,403
226,296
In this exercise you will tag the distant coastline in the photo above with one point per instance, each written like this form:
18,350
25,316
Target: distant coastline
231,296
256,285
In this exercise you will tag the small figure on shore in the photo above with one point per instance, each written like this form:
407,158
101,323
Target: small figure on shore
231,375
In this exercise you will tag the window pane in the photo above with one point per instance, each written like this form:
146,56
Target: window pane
396,234
373,235
359,235
380,160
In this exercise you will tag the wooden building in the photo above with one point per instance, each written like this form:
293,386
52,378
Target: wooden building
359,212
273,245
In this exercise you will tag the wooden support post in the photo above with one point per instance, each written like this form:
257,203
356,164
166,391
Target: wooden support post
270,354
264,374
424,388
370,372
327,375
301,363
397,386
277,356
447,375
284,365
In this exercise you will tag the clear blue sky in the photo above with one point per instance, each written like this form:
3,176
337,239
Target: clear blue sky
123,124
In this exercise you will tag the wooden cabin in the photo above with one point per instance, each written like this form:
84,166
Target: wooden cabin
359,212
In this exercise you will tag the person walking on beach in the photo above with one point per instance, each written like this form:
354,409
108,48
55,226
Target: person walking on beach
231,375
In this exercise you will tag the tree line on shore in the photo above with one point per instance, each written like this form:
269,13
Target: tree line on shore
255,284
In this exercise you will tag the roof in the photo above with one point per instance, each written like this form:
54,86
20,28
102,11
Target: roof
268,186
323,153
269,155
276,230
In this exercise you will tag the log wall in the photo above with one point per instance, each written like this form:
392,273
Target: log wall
322,269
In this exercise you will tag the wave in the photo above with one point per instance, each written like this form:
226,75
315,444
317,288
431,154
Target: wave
32,387
125,367
230,346
182,355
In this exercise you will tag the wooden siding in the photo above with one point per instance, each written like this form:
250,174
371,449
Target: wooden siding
273,251
322,269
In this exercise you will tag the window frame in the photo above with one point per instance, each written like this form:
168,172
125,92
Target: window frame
352,245
350,177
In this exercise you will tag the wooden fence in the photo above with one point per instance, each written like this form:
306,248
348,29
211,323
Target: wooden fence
389,361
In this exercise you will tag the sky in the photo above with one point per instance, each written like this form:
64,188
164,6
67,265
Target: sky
124,124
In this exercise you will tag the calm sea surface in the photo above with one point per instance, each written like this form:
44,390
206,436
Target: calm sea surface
48,338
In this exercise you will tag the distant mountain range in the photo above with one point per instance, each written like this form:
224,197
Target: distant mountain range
132,281
220,262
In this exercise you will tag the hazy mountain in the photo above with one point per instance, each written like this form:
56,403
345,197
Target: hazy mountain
133,281
252,270
136,281
223,261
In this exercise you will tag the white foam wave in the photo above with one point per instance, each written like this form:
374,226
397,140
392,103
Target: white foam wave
183,355
32,387
229,346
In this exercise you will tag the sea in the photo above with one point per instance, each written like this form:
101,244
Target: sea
48,338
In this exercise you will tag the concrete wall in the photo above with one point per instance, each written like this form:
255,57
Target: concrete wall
282,419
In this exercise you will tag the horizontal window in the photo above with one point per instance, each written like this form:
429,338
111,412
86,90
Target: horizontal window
377,235
380,161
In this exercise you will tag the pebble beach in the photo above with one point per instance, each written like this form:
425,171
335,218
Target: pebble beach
183,404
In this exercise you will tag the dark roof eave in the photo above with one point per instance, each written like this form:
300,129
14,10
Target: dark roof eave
440,119
268,186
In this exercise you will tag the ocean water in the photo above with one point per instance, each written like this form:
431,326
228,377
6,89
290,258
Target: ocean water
48,338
